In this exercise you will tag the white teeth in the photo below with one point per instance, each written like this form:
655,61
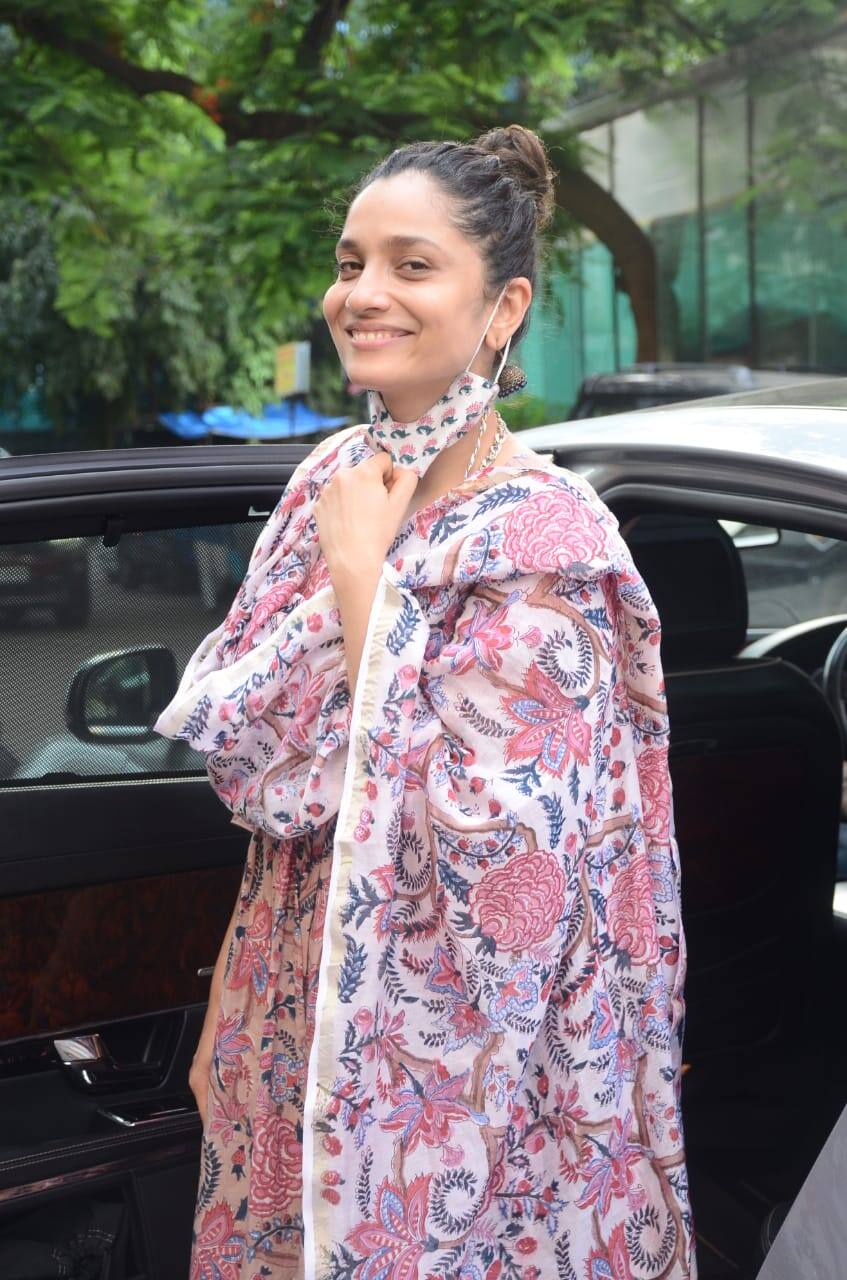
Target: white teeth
362,335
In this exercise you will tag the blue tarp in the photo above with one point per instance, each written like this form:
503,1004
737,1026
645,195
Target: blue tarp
278,422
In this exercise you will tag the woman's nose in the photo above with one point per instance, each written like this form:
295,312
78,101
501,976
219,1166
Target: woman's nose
368,293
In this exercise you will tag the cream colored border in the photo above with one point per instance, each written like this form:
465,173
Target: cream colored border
309,1240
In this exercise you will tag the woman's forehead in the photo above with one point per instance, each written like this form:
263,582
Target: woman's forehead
399,212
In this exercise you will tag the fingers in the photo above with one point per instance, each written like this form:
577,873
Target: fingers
400,482
377,466
403,484
381,462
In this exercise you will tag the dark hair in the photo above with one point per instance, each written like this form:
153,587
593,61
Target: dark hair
501,186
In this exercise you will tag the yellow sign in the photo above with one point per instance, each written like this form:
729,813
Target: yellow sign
292,369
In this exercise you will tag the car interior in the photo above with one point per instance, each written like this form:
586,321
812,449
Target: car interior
756,767
120,869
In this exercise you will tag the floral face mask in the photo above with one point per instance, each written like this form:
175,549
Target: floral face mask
465,402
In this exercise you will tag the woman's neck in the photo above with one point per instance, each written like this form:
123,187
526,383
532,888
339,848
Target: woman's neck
447,471
409,405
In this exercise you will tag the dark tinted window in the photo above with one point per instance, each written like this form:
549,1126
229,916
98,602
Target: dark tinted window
65,601
599,405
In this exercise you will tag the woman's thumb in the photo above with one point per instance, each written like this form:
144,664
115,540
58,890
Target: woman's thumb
402,485
382,462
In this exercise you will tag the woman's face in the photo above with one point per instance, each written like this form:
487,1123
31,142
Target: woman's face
408,306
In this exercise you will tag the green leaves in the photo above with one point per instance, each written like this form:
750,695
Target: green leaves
173,168
96,278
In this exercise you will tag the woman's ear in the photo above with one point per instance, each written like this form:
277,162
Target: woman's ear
513,307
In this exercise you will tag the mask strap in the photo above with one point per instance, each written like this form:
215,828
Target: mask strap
496,377
485,330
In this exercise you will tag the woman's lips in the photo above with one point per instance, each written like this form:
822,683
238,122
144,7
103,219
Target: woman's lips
369,339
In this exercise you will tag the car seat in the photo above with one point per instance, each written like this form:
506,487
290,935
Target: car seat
755,762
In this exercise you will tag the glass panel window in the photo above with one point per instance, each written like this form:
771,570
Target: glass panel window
791,577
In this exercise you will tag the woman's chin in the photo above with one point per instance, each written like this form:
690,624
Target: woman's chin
383,364
397,381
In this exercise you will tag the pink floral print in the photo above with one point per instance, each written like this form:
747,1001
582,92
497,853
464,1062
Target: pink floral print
518,904
275,1172
632,917
449,1042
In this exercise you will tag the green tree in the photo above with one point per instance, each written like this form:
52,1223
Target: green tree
185,157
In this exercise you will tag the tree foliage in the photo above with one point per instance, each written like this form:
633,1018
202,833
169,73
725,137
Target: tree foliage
175,169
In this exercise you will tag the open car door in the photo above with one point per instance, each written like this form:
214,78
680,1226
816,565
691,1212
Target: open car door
119,866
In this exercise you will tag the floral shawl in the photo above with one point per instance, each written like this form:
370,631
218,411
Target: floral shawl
493,1086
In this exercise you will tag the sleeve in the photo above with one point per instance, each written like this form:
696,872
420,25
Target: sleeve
265,696
524,691
553,746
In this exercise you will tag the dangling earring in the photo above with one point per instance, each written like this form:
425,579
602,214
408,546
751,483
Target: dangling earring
512,379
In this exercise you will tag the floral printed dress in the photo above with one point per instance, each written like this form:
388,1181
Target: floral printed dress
449,1041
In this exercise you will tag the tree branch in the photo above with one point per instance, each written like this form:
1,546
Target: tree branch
141,80
236,124
326,17
595,208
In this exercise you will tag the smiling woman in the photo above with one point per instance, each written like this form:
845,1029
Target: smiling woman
446,1042
409,294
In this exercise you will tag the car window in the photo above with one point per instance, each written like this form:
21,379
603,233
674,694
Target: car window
66,601
791,576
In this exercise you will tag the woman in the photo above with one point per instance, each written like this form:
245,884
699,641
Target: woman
445,1027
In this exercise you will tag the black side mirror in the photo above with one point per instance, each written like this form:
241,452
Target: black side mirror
117,697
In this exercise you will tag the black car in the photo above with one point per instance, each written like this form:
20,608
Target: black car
645,386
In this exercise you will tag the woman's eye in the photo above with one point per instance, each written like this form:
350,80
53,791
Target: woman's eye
416,265
346,266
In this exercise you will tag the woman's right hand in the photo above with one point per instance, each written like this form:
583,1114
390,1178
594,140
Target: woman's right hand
358,514
201,1069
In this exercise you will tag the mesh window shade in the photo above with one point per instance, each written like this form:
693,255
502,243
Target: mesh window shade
65,601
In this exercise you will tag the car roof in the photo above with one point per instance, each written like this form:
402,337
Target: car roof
812,437
666,379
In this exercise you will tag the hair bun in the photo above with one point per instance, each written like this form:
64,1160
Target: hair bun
523,157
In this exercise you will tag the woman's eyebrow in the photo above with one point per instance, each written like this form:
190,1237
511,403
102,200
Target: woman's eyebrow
393,242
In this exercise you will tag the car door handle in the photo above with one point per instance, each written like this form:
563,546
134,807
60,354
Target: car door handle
80,1049
89,1066
107,1074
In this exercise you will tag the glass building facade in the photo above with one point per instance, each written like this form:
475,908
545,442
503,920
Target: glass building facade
746,272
